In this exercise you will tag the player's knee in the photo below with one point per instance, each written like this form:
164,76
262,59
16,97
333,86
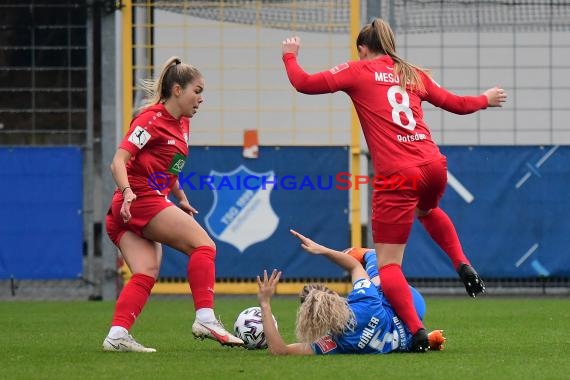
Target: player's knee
190,245
211,244
150,270
203,251
208,242
203,240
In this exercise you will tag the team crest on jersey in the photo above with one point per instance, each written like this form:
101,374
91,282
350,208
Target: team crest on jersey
338,68
139,137
326,344
241,214
177,164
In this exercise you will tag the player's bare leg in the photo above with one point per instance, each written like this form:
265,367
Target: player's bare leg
176,228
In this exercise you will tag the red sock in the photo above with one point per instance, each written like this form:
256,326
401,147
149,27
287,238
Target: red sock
132,300
201,273
442,231
398,293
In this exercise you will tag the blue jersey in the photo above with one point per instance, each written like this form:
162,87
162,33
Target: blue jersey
375,328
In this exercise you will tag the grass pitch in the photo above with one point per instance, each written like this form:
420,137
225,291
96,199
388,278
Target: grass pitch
488,338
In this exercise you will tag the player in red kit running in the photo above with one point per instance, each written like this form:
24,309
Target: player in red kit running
387,92
141,219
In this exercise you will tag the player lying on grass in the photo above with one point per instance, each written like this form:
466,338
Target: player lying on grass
362,323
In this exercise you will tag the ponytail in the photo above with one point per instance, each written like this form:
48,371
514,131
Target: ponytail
173,72
379,38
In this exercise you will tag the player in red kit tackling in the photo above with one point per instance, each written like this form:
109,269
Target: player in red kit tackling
141,219
387,92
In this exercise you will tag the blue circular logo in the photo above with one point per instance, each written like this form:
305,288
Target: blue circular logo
158,181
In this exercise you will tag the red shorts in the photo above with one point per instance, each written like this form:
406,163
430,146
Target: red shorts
143,209
396,197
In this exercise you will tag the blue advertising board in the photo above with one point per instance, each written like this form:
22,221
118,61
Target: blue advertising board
41,200
510,207
248,206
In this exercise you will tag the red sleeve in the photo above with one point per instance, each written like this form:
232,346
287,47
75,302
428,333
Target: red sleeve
303,82
139,133
461,105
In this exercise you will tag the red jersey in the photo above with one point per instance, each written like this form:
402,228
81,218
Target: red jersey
157,143
391,118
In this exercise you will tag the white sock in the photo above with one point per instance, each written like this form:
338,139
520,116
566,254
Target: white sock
117,332
205,315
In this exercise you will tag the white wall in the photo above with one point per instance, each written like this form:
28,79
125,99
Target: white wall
534,68
246,85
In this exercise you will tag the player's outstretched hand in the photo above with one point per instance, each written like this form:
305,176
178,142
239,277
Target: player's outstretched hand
291,45
496,96
267,286
309,245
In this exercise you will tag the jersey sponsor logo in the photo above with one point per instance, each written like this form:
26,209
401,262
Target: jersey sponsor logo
411,138
241,216
139,137
326,344
171,142
338,68
177,164
400,333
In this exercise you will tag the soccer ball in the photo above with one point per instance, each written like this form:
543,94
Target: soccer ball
249,328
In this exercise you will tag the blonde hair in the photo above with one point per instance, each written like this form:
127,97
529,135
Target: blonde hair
310,287
322,312
379,38
173,72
